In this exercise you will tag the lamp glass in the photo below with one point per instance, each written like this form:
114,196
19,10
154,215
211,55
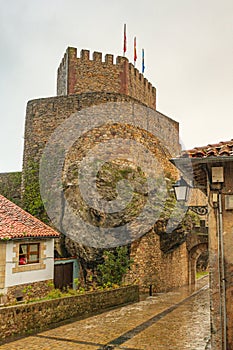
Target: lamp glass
181,189
181,193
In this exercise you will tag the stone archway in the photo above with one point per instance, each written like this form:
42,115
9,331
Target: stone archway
194,254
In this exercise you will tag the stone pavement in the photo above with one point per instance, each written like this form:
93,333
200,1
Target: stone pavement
177,320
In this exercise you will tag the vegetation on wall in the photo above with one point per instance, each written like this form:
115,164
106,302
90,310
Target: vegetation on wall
175,222
115,266
32,201
10,186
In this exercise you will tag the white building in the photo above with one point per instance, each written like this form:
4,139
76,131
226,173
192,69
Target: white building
26,253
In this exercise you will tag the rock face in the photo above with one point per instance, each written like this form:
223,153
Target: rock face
111,174
108,178
155,251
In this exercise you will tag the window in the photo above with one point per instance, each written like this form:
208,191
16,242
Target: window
29,253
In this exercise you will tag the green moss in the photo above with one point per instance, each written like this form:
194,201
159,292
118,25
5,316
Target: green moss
10,186
32,201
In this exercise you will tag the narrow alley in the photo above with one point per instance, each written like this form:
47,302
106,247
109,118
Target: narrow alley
177,320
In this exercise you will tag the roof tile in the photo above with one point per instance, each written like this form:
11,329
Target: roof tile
223,148
17,223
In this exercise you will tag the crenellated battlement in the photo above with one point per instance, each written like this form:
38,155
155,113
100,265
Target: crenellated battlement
84,74
71,53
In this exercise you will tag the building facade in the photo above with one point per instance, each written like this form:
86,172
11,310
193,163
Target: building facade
27,253
211,168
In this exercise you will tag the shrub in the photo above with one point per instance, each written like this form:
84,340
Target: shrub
114,268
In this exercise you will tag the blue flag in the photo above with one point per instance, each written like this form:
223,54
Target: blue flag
143,65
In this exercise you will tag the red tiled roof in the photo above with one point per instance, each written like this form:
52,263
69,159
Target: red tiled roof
17,223
216,150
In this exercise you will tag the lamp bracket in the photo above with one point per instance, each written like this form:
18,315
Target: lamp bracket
199,209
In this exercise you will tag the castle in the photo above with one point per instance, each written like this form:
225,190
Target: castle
83,83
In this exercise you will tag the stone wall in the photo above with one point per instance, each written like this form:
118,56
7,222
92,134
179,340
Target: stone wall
27,291
44,116
2,264
151,266
81,75
10,186
20,319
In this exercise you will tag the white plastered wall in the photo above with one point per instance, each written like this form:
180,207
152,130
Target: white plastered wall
23,277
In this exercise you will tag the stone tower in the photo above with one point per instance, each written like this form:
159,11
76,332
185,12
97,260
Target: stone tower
83,82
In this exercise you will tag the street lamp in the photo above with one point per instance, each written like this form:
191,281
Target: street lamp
181,189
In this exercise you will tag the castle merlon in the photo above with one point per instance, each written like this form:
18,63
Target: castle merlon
84,74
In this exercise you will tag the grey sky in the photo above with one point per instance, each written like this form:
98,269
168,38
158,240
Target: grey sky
188,56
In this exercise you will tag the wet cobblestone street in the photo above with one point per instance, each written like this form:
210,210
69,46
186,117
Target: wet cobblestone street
177,320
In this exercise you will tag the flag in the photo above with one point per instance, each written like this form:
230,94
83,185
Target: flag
143,63
124,48
135,50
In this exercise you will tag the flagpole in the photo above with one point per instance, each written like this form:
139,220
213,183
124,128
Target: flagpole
124,46
135,51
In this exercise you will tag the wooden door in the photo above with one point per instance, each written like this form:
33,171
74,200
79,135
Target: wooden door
63,275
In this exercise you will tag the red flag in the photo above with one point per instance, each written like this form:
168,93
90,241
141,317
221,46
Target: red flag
135,50
124,49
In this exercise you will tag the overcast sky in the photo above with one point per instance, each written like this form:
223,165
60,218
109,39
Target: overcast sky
188,56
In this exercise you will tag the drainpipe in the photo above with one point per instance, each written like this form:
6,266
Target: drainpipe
222,272
220,263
